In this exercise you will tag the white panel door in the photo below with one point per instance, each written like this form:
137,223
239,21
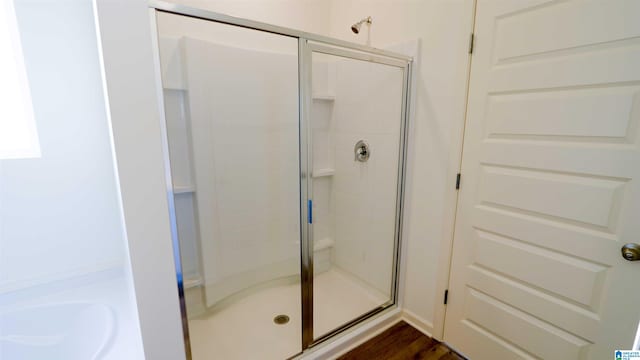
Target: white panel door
550,183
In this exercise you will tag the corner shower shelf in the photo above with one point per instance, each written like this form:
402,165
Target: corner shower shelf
322,172
183,189
191,283
323,243
323,97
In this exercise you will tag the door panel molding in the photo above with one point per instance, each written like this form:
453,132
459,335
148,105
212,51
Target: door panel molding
551,166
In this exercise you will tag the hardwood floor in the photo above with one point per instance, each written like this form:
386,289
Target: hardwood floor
399,342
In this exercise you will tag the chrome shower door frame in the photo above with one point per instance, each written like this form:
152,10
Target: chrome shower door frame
307,44
306,49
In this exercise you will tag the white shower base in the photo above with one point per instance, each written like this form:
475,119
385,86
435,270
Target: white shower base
245,328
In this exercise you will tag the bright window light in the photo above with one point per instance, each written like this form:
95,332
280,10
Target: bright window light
18,133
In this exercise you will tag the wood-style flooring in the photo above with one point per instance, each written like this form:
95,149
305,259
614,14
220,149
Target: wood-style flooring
400,342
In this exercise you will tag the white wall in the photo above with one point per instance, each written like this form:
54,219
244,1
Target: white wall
305,15
130,68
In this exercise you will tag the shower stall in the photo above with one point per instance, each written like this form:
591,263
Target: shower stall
285,159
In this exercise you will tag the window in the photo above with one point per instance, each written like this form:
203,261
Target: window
18,133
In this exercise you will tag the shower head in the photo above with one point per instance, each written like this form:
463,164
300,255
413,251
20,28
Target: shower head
356,27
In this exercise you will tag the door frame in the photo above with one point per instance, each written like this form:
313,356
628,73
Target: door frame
307,43
306,48
453,198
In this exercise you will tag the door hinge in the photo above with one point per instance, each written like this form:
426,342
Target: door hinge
458,181
446,296
471,39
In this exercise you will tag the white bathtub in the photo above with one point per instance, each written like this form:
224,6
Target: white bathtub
57,331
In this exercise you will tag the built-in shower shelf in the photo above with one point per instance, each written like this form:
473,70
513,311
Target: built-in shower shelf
323,172
183,189
323,97
192,282
323,243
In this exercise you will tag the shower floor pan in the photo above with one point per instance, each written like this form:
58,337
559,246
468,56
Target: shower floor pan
246,329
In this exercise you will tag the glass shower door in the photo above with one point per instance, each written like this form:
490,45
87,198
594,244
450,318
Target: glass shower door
356,114
231,110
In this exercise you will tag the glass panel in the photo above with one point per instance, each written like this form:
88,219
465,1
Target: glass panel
356,115
231,101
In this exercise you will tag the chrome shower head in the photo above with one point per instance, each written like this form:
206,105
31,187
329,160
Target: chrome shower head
356,27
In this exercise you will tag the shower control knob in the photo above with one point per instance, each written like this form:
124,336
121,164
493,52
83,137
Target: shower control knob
631,252
362,151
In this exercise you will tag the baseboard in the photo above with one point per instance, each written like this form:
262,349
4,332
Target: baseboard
425,327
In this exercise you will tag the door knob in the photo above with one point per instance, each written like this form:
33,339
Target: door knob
631,252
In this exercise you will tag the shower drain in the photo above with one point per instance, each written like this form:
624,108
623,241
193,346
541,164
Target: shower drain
281,319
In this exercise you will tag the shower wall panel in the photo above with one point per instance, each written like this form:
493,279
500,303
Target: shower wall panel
368,105
244,131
